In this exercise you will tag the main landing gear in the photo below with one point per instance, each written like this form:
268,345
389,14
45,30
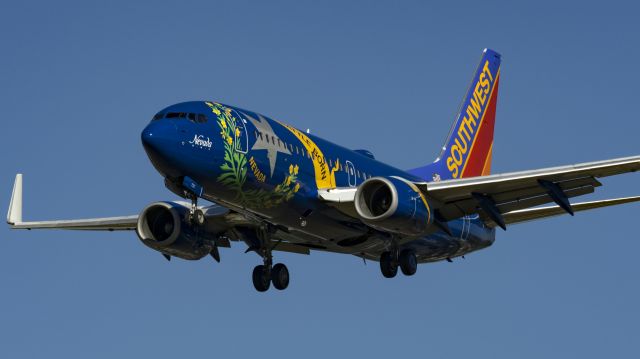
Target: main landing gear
391,260
267,273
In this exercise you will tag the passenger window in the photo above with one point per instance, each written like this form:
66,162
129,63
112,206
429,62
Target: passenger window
266,137
192,117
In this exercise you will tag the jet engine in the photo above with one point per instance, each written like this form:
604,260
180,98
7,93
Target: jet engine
164,226
394,205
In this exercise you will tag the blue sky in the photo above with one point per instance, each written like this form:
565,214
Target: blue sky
81,80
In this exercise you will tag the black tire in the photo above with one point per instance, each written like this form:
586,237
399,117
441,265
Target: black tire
388,266
280,276
408,262
261,278
198,217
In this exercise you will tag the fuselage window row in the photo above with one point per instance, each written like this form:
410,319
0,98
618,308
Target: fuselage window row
295,150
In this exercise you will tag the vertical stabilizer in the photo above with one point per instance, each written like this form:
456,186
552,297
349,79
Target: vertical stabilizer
468,148
14,215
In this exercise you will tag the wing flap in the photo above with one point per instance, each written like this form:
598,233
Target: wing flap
530,214
510,201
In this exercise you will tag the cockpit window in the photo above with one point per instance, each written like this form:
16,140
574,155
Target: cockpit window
177,115
197,117
193,117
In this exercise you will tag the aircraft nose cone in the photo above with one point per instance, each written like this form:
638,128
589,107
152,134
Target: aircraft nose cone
147,137
158,134
159,141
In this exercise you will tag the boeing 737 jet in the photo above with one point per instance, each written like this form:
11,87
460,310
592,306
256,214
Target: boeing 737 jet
277,188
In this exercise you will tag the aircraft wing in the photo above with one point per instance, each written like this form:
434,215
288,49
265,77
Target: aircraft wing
217,217
125,223
497,195
502,199
14,217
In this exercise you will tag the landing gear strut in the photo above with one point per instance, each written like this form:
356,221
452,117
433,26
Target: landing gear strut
196,216
267,273
391,260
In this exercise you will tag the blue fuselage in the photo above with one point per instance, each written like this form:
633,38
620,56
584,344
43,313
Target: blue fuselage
270,171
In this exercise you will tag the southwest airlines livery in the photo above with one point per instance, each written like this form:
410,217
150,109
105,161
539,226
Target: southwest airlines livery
277,188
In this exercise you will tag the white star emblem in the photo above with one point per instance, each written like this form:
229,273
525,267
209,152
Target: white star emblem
267,140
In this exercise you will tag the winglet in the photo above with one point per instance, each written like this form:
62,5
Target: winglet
14,215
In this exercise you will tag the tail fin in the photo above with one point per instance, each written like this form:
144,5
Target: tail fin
467,151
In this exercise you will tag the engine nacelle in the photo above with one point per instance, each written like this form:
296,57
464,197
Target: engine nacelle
394,205
163,226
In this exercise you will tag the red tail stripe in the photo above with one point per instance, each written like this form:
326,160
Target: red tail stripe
480,153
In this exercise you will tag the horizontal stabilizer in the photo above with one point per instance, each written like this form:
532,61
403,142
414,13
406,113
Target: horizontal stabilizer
525,215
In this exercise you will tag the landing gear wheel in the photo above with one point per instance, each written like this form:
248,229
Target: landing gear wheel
261,280
388,266
198,217
280,276
408,262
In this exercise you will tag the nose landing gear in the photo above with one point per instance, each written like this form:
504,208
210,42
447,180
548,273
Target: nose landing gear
196,215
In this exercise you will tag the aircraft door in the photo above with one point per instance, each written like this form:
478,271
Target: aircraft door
351,173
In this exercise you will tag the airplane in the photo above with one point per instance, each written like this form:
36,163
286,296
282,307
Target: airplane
277,188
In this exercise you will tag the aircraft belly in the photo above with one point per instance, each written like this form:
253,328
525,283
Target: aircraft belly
469,235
